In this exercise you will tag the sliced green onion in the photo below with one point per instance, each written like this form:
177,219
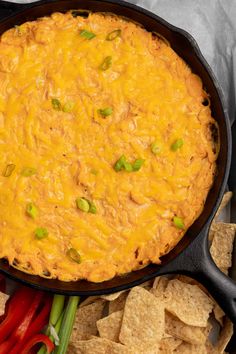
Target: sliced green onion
82,204
92,208
138,164
128,166
68,107
56,104
59,322
123,164
86,205
113,35
105,112
155,148
106,64
179,223
31,210
177,144
67,324
86,34
94,172
41,232
55,320
74,255
119,165
54,338
8,170
53,334
28,171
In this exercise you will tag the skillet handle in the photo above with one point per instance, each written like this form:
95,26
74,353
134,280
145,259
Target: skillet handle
9,8
196,262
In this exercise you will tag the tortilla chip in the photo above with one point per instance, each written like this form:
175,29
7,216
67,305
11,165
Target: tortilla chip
118,304
147,284
178,329
222,244
186,279
161,347
161,350
226,199
3,300
191,281
89,300
109,327
85,321
112,297
143,319
208,329
209,348
99,346
225,270
170,343
71,349
160,283
159,287
153,349
225,336
188,302
186,348
218,313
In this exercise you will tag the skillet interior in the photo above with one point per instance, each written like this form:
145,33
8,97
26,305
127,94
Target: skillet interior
186,48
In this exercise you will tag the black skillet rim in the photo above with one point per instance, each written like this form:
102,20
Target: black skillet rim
41,283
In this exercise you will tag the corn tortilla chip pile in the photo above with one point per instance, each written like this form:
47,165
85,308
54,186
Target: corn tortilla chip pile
168,315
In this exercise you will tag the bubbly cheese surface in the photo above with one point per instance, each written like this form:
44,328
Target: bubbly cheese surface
57,146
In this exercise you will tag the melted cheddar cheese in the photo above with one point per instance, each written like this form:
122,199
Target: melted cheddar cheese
53,86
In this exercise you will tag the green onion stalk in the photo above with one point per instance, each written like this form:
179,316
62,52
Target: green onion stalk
67,324
59,319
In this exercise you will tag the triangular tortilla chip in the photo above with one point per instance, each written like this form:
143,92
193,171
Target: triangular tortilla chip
143,319
160,283
219,314
109,327
112,297
178,329
188,302
89,300
225,336
222,244
170,343
226,199
118,304
99,346
186,348
85,321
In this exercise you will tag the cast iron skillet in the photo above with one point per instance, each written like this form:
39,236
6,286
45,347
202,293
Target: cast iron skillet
191,256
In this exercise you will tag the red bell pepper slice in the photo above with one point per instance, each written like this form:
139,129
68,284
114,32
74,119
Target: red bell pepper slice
18,335
5,347
18,305
41,320
38,338
36,326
